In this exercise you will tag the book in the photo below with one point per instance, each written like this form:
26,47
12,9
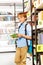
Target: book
14,35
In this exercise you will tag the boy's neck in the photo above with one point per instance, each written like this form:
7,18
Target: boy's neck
23,21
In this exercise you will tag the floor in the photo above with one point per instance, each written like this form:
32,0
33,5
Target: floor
8,59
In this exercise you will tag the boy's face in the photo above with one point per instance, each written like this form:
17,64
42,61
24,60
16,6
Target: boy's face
21,19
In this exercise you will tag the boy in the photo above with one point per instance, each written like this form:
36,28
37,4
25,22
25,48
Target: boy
21,50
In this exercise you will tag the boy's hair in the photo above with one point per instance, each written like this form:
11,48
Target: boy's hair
23,14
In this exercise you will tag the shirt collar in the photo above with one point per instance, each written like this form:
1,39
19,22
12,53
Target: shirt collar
24,22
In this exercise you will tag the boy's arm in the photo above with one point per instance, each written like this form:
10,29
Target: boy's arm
27,37
24,36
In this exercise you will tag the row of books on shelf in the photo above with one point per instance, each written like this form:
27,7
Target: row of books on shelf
40,38
5,13
6,18
7,42
7,24
7,30
37,2
8,39
34,4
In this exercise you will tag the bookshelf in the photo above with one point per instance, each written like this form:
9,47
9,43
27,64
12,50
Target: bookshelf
34,10
36,30
7,27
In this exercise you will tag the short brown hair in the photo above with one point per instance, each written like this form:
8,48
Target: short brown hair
23,14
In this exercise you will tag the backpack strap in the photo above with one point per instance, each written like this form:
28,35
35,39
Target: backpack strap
26,34
20,26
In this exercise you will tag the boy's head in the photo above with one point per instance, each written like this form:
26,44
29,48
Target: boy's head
22,16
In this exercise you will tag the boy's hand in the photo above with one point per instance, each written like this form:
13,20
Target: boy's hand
19,35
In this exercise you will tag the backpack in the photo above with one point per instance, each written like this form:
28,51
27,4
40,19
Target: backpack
29,46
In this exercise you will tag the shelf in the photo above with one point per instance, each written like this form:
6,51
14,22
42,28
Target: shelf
35,55
38,27
25,0
6,15
7,4
34,45
6,27
39,7
19,4
6,22
7,48
17,22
